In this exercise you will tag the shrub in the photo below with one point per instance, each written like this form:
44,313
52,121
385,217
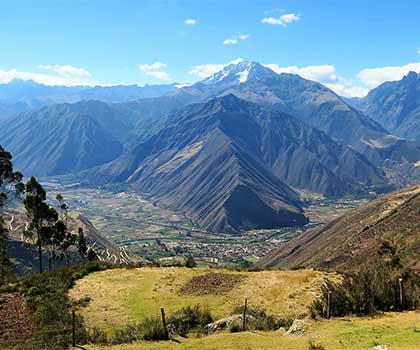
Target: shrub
182,321
152,329
97,336
127,334
149,329
315,346
262,320
234,327
366,293
49,307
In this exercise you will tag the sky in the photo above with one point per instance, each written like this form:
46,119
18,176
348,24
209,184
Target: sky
349,45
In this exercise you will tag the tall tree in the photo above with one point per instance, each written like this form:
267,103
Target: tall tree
10,181
10,186
43,217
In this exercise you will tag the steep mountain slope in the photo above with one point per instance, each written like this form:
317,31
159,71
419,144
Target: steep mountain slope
148,115
309,101
214,154
25,259
196,167
353,241
396,106
64,138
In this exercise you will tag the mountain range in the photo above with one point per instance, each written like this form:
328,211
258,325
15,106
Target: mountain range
395,105
243,133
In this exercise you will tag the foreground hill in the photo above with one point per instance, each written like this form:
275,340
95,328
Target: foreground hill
124,296
396,106
397,330
385,229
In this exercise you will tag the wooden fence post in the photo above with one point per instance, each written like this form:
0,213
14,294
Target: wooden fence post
244,316
73,328
329,305
162,312
401,292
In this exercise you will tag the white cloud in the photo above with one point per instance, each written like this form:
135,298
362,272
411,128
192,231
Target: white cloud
190,21
206,70
66,70
322,73
65,75
243,36
283,20
159,75
235,38
154,66
326,75
230,42
348,90
155,70
372,77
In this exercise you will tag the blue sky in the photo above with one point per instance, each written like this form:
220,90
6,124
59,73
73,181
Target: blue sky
349,45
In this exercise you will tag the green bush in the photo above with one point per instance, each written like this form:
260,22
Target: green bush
262,320
97,336
366,293
315,346
182,321
150,329
49,307
235,327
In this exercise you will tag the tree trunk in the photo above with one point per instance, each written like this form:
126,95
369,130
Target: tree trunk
40,253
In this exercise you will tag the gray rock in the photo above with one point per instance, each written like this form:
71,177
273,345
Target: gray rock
227,322
298,326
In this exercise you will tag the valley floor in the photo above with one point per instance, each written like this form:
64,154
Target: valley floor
398,330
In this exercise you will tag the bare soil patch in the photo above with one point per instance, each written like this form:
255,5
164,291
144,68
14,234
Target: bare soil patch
211,283
14,317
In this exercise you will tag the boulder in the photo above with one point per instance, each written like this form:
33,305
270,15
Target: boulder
297,327
227,322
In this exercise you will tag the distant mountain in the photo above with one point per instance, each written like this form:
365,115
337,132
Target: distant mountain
396,106
221,162
64,138
24,95
379,231
312,103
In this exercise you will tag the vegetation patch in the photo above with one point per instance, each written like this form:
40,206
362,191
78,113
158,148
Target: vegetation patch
211,283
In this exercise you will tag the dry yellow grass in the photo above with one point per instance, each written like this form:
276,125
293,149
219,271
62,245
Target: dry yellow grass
398,330
120,296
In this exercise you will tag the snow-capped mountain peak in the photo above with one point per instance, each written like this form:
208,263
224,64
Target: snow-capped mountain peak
239,71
